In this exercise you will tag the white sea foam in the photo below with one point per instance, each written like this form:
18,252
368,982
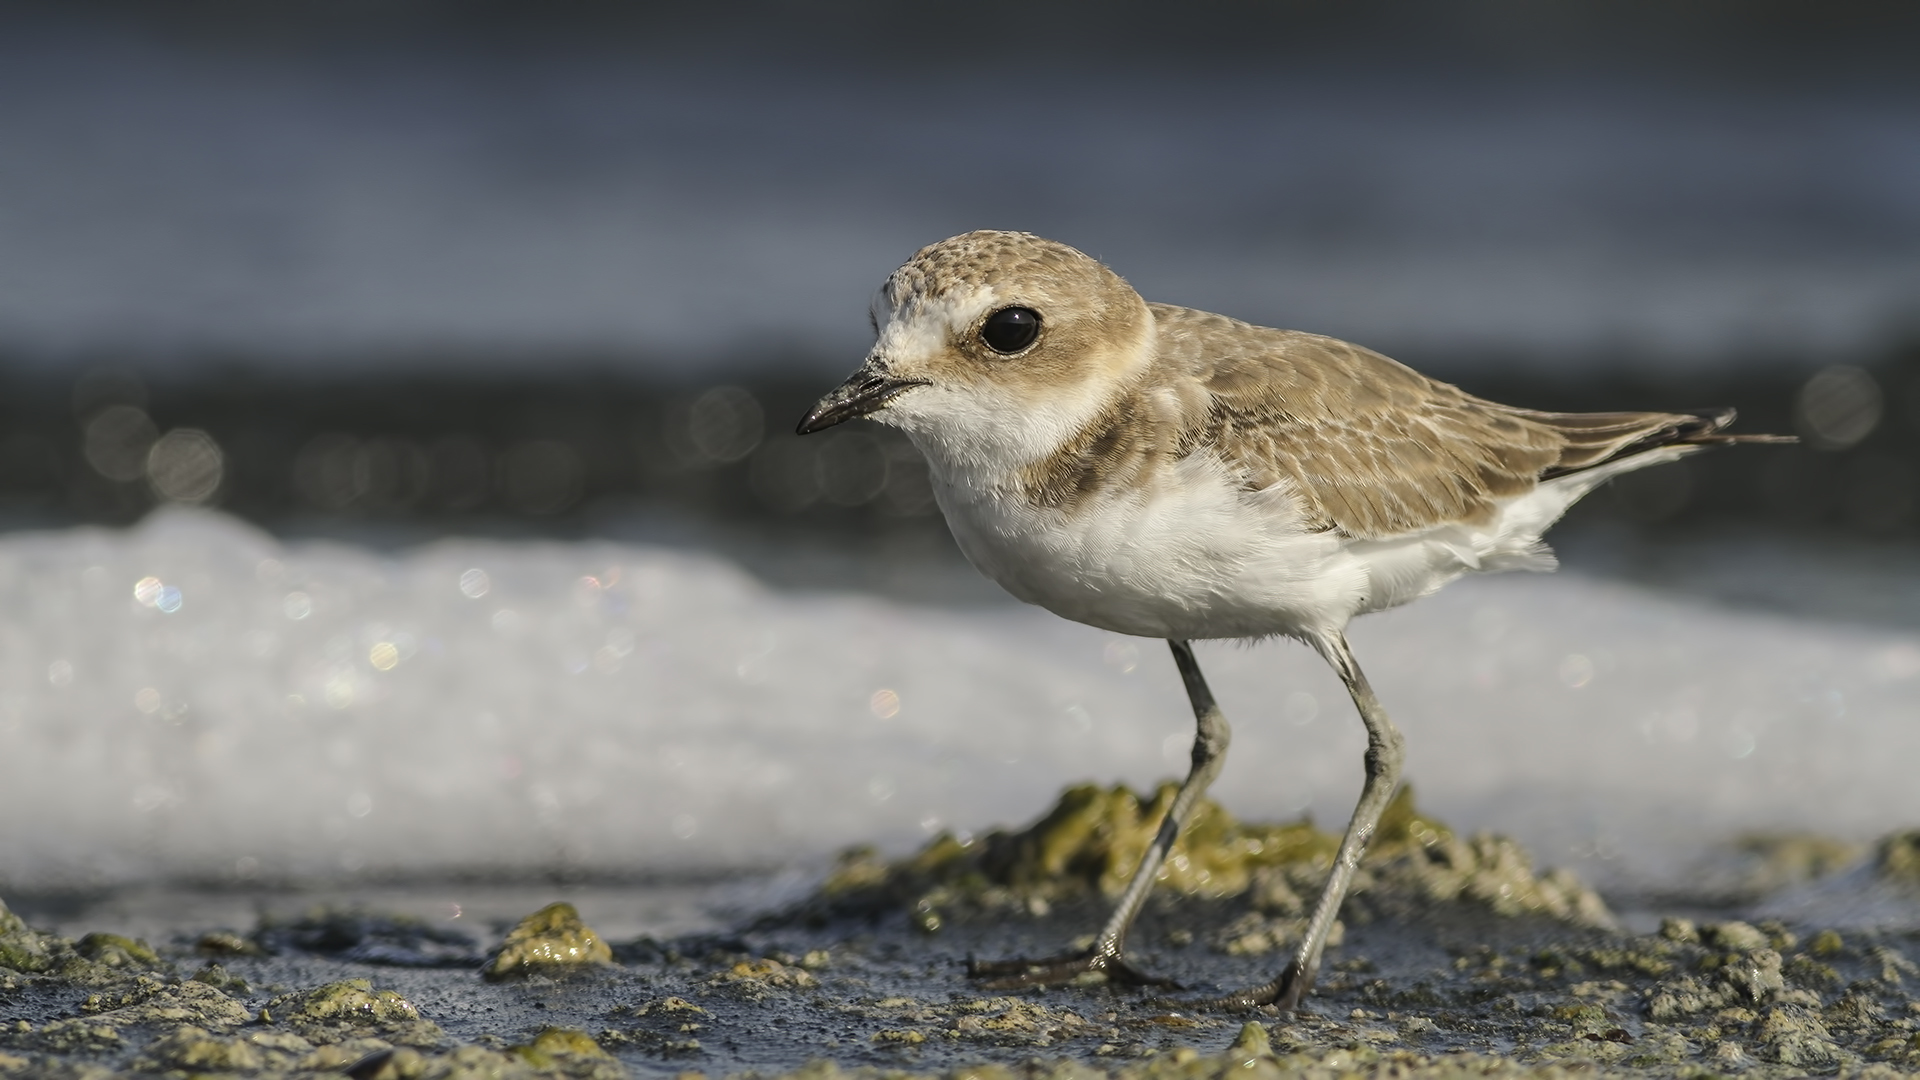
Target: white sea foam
193,699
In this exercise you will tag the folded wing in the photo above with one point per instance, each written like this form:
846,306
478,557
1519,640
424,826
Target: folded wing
1375,449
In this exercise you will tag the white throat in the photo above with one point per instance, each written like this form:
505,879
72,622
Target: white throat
983,432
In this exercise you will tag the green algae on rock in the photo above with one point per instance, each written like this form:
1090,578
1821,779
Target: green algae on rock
352,1008
553,1054
25,949
195,1050
754,979
96,959
1896,858
70,1036
148,1000
221,979
558,1051
118,952
1091,840
549,941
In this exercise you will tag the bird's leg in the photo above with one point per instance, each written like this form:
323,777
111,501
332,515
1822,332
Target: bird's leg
1384,753
1106,956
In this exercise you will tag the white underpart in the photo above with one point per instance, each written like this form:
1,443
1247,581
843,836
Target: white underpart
1193,554
1406,568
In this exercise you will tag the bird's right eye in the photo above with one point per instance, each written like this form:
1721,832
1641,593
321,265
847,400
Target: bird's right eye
1010,329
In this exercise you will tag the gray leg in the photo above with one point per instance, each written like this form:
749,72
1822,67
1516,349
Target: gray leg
1209,754
1384,754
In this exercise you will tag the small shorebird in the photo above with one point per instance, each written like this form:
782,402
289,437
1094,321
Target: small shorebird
1163,472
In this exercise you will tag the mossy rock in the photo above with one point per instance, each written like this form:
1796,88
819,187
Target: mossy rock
549,941
148,1000
1090,842
71,1035
568,1052
352,1007
221,979
118,952
1092,839
194,1050
25,949
1097,836
1896,858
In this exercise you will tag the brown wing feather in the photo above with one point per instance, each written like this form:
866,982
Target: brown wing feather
1374,448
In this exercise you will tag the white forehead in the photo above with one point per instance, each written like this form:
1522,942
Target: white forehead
916,324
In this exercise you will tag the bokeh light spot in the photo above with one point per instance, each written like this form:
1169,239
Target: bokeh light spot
185,465
117,440
1838,407
722,425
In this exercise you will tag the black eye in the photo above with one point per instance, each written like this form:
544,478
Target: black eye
1011,329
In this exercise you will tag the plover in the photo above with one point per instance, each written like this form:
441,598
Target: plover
1163,472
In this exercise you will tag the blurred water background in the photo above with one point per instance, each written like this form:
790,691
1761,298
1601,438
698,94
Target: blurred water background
395,468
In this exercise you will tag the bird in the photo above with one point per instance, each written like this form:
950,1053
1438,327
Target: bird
1164,472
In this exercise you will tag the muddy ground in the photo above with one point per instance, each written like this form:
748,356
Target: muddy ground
1454,958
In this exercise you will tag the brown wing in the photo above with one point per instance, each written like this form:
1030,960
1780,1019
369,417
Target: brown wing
1376,449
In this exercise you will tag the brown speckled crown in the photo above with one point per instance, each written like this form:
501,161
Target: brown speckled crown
993,257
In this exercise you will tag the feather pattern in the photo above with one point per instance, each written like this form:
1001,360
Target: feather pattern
1374,448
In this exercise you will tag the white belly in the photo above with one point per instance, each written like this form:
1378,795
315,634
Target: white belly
1195,555
1190,557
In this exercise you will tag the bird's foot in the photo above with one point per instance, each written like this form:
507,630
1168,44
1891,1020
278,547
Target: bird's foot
1020,973
1283,995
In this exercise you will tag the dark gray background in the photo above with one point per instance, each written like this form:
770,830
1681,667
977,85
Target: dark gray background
700,187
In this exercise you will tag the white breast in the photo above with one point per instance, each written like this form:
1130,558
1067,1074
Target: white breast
1193,554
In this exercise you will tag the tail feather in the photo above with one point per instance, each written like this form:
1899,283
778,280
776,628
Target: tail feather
1594,439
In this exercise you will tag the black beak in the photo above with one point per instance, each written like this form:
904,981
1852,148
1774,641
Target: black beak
865,392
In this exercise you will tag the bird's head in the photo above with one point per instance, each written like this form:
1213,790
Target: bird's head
994,344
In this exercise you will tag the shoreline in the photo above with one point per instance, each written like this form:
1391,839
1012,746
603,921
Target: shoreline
856,978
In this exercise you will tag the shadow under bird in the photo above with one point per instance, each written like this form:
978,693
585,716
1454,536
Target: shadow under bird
1163,472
